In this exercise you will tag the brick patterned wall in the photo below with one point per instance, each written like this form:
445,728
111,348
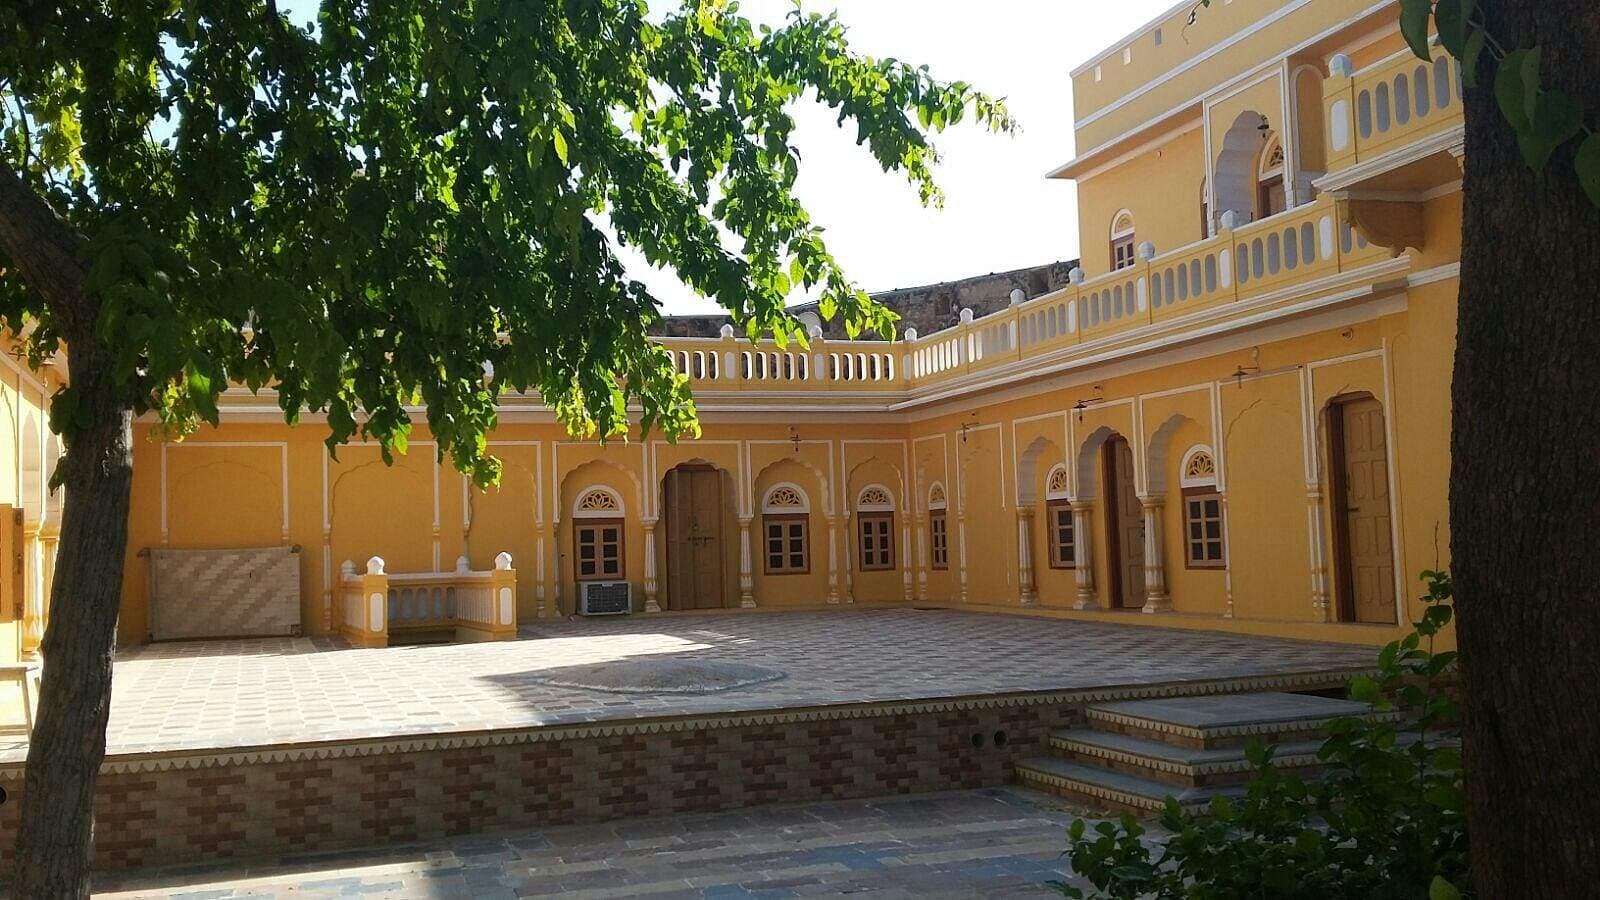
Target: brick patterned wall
242,809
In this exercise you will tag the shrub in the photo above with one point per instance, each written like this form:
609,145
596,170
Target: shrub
1384,821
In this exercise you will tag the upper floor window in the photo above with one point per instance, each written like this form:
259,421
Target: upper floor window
1270,199
1122,254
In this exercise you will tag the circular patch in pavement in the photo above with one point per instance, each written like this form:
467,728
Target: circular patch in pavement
659,676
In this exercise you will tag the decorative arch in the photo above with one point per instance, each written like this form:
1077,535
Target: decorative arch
584,474
822,479
1235,168
1157,453
597,503
785,497
1198,469
937,499
1028,467
1058,485
875,498
1089,459
1122,238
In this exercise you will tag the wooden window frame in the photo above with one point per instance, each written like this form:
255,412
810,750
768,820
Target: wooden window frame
1052,509
1129,259
938,541
784,520
863,551
1201,494
578,525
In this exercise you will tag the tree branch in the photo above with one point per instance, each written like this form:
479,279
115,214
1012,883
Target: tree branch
43,247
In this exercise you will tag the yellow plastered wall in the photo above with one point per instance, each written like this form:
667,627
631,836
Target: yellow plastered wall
1160,187
875,464
505,519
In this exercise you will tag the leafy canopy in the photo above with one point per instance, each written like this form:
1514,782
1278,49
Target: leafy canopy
362,215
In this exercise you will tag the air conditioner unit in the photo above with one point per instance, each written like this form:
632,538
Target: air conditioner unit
605,598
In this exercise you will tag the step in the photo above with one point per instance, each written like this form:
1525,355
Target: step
1226,720
1118,791
1174,765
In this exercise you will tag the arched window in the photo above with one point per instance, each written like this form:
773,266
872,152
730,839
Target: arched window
1058,515
875,529
1202,510
938,528
1122,255
597,535
1270,199
786,526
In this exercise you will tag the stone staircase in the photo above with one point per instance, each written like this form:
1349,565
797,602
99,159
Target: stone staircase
1131,755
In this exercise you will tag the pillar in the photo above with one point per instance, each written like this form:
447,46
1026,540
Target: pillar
849,567
906,563
1028,592
1156,598
1227,564
747,597
961,552
833,560
1083,555
538,576
1315,515
922,558
651,586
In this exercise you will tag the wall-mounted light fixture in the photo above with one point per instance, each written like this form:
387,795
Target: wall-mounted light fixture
1083,404
1254,368
794,437
971,420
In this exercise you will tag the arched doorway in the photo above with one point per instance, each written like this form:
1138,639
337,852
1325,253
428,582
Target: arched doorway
693,509
1237,166
1363,536
1124,525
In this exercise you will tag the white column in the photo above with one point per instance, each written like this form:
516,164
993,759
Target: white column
1156,598
747,598
906,563
961,551
538,579
833,560
1083,555
1027,592
652,587
1319,557
1227,564
849,566
922,559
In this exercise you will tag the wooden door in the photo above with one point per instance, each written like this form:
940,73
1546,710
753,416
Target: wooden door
1363,535
1124,526
694,537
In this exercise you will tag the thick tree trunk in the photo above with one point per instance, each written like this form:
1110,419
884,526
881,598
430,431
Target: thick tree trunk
1525,481
69,738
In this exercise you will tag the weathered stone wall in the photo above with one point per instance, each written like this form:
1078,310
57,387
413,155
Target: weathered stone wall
928,308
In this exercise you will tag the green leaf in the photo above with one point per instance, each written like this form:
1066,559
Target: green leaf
1441,889
1451,17
1556,119
1471,53
1588,166
1515,90
1414,16
559,142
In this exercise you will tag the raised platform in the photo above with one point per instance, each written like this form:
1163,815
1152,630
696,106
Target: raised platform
221,749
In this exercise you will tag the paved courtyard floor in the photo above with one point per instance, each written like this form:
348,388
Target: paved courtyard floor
993,843
223,694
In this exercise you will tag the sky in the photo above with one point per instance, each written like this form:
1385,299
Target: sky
1000,211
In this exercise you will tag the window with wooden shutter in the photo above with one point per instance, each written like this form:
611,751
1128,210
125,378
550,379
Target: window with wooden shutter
1202,514
599,549
1063,546
875,531
788,544
938,540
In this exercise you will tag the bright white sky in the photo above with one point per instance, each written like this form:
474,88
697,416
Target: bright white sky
1000,212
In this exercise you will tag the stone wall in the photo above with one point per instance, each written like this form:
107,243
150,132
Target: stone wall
928,308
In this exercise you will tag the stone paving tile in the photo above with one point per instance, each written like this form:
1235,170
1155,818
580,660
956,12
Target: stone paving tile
216,694
1023,834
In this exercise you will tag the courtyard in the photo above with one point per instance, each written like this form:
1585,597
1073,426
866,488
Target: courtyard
214,695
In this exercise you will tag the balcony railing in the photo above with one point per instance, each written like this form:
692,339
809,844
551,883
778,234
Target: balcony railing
1388,104
1244,263
477,605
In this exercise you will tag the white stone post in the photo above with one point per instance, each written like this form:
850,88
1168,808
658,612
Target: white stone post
747,597
833,561
652,587
1083,555
1156,598
961,550
1027,592
906,563
1318,547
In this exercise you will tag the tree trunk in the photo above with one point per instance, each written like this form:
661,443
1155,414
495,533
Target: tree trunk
69,740
69,737
1525,481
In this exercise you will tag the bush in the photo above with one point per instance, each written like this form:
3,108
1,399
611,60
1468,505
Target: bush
1384,821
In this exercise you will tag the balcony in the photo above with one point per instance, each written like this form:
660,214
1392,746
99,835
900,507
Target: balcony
730,364
1389,106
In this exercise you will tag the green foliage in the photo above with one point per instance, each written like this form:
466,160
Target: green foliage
362,213
1385,820
1543,118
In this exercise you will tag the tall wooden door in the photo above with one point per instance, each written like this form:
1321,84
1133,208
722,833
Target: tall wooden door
694,537
1363,536
1124,525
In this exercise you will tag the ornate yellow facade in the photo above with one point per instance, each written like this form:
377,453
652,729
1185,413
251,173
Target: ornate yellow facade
1244,425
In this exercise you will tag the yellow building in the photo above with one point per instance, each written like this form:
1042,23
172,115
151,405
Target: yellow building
1235,417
